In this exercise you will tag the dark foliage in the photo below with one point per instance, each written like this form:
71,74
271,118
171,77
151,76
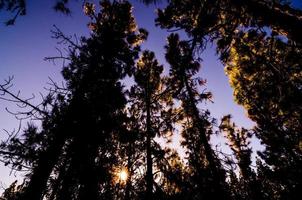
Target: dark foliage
98,140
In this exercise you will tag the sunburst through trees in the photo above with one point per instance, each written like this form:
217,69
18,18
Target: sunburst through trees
98,137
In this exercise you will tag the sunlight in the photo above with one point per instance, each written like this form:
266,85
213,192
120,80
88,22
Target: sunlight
123,175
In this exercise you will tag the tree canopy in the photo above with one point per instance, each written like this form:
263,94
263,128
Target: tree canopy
100,139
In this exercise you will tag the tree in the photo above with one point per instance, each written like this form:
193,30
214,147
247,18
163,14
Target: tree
132,156
197,131
34,150
265,66
93,130
218,20
82,135
265,75
149,116
146,92
248,186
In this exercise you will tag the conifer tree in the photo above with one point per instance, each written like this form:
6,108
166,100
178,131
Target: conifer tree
198,128
248,186
265,75
82,140
265,66
218,20
145,95
90,132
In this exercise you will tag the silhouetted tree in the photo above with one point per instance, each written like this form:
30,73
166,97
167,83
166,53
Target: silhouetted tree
149,116
264,71
82,135
197,128
92,129
218,20
267,68
247,186
146,91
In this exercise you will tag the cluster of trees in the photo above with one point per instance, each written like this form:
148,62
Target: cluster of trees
96,139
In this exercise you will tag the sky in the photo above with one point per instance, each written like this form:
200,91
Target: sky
24,46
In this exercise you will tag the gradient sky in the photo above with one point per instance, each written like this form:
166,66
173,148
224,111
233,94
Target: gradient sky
23,47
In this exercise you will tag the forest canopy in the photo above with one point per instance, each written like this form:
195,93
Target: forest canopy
97,138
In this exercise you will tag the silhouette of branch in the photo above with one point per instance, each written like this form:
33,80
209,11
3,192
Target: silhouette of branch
63,39
59,57
9,96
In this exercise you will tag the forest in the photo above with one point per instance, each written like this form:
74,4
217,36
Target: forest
94,138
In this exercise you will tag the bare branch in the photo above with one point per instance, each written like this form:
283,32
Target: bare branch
63,39
7,95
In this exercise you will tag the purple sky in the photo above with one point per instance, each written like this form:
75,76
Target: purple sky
23,47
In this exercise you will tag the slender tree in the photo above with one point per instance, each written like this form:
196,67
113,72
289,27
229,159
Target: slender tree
146,91
248,186
183,68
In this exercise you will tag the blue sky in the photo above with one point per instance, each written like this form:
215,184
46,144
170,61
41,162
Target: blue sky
23,47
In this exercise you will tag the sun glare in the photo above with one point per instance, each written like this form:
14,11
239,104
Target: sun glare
123,175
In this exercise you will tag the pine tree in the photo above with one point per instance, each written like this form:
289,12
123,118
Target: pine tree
145,93
265,74
265,66
197,129
248,186
218,20
83,134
